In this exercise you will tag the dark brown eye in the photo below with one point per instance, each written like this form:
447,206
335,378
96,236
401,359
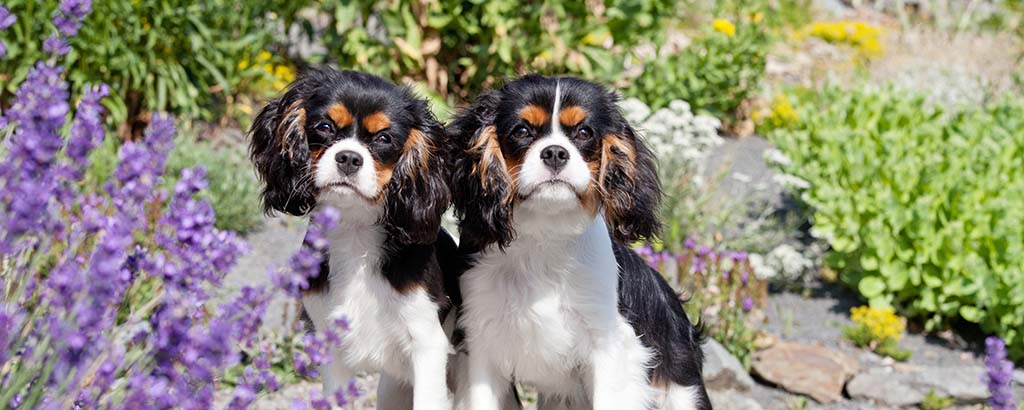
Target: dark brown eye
584,133
383,138
324,127
521,132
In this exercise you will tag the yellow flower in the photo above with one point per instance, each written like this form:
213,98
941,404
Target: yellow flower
724,27
782,111
862,36
756,17
881,323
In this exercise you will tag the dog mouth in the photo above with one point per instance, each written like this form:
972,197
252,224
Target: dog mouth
549,184
346,187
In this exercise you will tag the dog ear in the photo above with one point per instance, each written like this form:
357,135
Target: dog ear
481,185
629,183
418,195
279,149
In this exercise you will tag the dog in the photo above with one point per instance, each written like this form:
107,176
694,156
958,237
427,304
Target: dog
370,149
550,184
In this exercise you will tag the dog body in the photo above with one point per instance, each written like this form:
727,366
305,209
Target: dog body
368,148
550,182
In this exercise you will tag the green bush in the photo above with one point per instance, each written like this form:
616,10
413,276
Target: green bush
233,190
176,55
922,207
715,74
458,47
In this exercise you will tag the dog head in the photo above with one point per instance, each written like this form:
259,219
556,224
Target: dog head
550,147
356,142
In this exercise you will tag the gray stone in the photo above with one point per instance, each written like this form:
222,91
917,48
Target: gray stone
722,370
904,385
732,400
1018,376
815,371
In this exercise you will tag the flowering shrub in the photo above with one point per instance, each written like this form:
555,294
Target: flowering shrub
724,294
69,262
715,74
176,55
999,375
879,329
920,205
784,265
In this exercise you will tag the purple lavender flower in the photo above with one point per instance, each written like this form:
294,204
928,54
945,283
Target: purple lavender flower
38,112
999,376
72,12
87,129
6,18
56,46
306,262
738,256
690,243
748,303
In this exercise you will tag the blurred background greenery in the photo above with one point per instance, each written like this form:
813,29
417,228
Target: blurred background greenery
899,180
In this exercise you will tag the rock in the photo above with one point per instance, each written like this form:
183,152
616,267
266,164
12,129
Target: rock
815,371
1018,376
732,400
722,370
904,385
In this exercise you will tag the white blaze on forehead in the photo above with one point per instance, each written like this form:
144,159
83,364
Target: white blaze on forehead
556,128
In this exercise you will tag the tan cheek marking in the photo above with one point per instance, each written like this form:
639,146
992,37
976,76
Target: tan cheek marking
315,155
340,115
384,173
570,116
534,115
591,198
376,122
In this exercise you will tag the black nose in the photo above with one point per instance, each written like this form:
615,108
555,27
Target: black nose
555,157
348,162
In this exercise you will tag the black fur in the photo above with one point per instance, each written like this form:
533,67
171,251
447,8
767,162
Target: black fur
483,210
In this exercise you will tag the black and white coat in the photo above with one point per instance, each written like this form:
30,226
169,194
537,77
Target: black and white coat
551,183
369,148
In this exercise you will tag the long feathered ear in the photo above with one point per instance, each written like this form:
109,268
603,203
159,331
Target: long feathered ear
628,178
418,193
481,185
279,149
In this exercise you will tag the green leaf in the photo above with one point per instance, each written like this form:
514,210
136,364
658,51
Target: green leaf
871,286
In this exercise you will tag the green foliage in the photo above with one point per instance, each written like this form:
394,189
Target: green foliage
861,337
459,47
279,353
933,401
715,74
921,206
175,55
233,190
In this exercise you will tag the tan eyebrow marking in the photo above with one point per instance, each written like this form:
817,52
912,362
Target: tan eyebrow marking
376,122
570,116
534,115
340,115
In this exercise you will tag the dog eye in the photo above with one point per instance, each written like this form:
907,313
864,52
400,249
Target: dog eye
383,138
521,132
584,133
324,127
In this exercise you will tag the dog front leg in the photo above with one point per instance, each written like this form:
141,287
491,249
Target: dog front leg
619,378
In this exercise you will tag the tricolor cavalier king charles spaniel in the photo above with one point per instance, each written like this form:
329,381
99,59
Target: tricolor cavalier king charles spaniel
552,184
372,150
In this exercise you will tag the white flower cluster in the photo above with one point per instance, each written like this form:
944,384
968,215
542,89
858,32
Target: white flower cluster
783,264
674,132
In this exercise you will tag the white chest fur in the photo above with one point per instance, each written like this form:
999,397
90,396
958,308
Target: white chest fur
545,312
392,332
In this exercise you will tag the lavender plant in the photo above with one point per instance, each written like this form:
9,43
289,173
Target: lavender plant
729,297
999,375
70,335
